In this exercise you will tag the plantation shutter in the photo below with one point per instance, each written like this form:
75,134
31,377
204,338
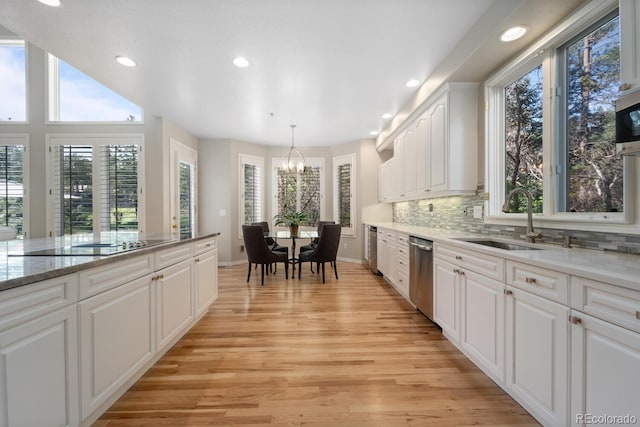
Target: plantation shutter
11,187
252,190
118,198
344,195
72,189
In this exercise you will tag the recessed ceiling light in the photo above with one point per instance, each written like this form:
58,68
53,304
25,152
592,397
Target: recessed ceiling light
52,3
374,132
412,83
126,61
513,33
387,115
240,62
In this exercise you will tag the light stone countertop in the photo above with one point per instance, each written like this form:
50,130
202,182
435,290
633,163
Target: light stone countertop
609,267
22,270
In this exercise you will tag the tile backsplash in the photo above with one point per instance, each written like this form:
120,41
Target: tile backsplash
456,213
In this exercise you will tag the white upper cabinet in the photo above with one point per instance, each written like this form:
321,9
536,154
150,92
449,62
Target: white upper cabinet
630,43
436,154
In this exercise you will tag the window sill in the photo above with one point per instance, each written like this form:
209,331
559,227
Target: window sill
616,224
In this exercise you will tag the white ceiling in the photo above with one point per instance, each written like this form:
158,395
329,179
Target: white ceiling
332,67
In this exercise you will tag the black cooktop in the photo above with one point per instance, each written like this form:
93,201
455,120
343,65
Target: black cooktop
92,249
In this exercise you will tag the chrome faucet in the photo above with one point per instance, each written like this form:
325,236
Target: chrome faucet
531,236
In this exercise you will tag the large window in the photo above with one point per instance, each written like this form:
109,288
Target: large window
299,192
559,147
76,97
594,174
94,184
13,81
13,151
251,170
344,192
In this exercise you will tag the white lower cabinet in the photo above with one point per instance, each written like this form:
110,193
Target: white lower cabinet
605,372
38,372
206,280
116,337
482,326
537,356
446,299
173,288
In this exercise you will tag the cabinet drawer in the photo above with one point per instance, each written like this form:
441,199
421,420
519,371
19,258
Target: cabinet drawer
402,239
607,302
487,265
28,302
205,245
172,255
103,278
549,284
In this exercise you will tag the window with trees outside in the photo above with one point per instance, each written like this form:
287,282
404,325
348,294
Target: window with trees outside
94,184
344,192
559,148
13,152
251,171
76,97
299,192
13,81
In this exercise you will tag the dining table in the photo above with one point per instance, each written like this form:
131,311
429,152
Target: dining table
286,235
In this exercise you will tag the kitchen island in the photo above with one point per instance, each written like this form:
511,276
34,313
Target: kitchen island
76,331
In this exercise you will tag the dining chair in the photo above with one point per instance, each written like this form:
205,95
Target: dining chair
314,242
325,251
258,251
273,243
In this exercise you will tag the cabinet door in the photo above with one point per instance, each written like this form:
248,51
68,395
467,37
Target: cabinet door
206,276
630,48
398,166
537,356
383,252
116,340
422,148
438,143
482,332
605,370
173,288
38,372
410,163
446,299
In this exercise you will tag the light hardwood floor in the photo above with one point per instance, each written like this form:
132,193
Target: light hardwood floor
351,352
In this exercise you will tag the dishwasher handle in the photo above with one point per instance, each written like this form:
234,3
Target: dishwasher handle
421,247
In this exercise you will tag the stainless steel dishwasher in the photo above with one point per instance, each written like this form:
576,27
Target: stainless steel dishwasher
373,249
421,276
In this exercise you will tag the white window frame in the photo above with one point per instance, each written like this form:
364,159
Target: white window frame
20,42
21,139
95,140
255,161
337,161
545,52
53,99
281,163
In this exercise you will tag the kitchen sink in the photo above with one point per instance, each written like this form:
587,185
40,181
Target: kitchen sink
501,245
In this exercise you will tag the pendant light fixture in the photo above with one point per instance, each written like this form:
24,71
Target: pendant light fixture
295,161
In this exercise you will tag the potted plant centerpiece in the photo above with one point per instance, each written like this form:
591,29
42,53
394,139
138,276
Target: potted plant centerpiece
291,220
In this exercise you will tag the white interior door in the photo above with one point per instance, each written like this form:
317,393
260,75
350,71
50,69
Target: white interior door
183,190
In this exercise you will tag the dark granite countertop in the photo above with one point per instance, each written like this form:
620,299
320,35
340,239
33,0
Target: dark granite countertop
16,270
